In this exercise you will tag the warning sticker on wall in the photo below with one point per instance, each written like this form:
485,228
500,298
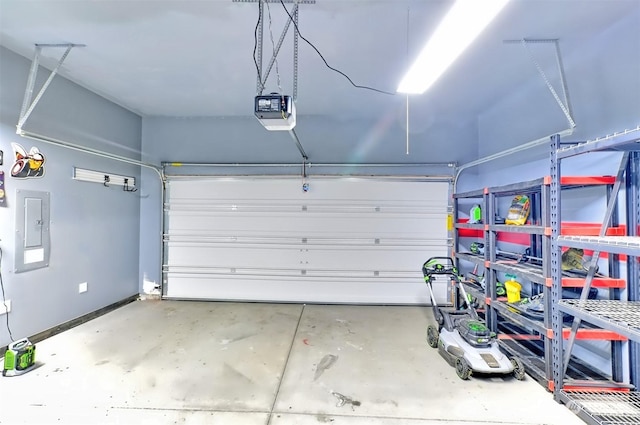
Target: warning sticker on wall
27,164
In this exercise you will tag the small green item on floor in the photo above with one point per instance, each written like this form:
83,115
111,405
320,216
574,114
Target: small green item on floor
19,358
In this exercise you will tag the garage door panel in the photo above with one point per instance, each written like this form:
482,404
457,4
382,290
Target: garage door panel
297,222
256,257
237,189
300,257
381,258
347,240
302,289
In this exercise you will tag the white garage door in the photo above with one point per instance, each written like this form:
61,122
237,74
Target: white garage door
346,240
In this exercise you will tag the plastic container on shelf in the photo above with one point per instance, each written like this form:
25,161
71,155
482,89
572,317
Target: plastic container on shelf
513,288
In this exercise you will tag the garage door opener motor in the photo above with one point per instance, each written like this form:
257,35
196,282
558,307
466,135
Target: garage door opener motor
20,358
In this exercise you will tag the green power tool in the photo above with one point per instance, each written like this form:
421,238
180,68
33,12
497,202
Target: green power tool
19,358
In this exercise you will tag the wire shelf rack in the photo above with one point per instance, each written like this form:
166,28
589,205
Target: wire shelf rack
606,408
620,316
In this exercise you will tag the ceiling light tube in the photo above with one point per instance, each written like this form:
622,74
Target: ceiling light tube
463,23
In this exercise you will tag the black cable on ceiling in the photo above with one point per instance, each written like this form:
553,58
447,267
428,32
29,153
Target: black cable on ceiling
255,41
323,59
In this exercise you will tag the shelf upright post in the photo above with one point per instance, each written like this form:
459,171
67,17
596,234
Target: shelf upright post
557,358
546,273
453,231
618,357
633,266
490,256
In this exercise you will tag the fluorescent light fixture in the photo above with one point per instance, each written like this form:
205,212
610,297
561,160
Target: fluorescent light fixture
464,22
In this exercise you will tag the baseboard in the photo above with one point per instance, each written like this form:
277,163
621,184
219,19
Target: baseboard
40,336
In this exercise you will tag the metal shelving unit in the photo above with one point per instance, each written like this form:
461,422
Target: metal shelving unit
620,316
545,345
604,405
613,244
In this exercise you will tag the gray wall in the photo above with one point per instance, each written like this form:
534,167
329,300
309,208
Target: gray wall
94,229
603,79
604,84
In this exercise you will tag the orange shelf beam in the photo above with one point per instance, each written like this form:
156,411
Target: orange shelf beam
590,334
569,228
587,180
598,282
523,337
581,388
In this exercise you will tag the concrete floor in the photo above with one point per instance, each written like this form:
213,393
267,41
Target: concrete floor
157,362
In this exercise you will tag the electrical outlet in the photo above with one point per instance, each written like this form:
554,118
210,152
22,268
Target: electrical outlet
82,287
3,309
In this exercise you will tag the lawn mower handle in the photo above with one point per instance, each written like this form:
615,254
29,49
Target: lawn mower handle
439,268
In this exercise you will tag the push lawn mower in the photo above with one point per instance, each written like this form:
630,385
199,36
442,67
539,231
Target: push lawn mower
461,338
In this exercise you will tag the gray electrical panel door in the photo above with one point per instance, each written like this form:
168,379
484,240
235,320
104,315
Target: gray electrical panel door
32,230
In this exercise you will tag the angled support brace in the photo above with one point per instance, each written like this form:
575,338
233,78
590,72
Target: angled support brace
613,199
293,16
565,106
277,50
27,105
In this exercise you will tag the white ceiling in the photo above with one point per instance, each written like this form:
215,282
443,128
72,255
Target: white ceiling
194,58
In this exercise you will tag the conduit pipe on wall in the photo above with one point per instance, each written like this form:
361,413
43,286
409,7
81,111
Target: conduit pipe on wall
67,145
511,151
309,164
566,108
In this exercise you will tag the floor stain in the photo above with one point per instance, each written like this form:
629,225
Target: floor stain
100,363
230,370
236,339
324,419
326,362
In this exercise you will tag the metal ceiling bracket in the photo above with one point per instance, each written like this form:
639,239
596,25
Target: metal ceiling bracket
27,105
566,105
259,40
293,16
295,53
276,1
276,51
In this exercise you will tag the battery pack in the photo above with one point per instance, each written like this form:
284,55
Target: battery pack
19,358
